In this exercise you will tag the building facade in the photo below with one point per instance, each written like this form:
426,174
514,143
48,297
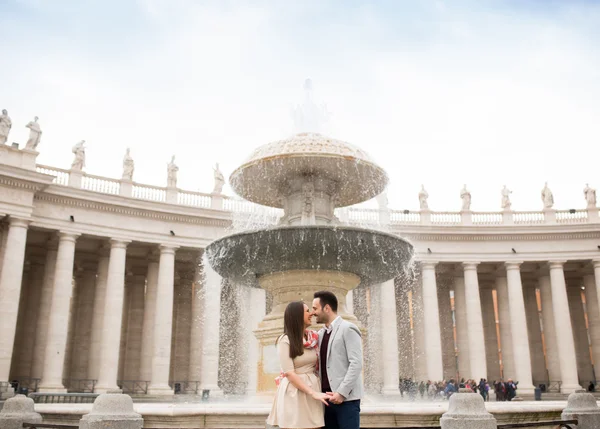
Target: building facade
103,286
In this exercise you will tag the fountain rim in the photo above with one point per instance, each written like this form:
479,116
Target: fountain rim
252,277
367,192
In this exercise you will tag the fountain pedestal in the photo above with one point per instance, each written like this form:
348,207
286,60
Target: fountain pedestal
288,286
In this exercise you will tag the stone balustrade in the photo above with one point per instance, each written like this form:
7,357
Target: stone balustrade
352,215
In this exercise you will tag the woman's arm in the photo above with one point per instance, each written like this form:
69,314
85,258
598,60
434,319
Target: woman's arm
287,366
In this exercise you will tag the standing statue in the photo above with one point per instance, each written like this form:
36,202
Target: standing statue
5,126
423,195
79,161
547,197
128,166
35,134
506,198
308,209
590,196
172,170
308,117
466,199
219,180
382,201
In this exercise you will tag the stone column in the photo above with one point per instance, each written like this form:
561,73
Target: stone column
209,378
550,339
416,332
58,322
534,329
148,324
508,362
41,329
518,325
34,291
113,317
10,290
489,332
350,302
596,266
564,331
580,333
431,323
133,351
182,325
98,315
389,344
195,368
462,334
257,311
474,322
594,319
163,326
84,310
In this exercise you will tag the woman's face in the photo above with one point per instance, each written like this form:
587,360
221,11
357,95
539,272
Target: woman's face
307,316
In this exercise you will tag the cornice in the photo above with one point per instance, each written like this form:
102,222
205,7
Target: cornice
148,209
505,236
21,178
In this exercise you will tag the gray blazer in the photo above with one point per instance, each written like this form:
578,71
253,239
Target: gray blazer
344,360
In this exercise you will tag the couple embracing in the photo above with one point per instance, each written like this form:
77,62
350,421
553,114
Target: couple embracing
320,382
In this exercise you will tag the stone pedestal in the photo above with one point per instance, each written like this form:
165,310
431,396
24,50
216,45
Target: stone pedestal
18,158
18,410
582,406
216,201
172,195
114,411
126,188
467,410
285,287
549,216
75,178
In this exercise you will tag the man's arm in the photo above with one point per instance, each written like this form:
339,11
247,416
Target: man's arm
355,357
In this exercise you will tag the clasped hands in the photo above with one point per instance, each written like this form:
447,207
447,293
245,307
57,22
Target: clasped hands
328,398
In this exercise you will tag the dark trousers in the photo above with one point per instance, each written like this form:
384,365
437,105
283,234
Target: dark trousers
343,416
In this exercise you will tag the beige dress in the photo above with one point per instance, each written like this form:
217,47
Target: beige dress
291,407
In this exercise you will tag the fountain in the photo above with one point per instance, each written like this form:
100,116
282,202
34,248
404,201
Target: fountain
308,176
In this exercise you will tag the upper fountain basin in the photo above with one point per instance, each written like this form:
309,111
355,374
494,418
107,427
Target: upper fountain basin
264,176
374,256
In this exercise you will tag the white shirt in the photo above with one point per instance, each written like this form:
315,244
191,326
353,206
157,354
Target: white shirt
329,328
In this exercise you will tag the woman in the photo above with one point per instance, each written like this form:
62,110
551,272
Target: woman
298,402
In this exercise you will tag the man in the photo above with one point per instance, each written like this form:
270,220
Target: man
340,363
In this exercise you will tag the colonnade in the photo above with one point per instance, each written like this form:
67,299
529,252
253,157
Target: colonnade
97,319
499,327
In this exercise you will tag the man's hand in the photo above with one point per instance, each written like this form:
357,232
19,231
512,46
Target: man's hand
336,398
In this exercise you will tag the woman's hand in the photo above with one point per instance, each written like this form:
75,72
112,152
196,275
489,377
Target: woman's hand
321,397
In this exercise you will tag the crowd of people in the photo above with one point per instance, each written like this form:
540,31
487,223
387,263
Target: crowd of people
441,390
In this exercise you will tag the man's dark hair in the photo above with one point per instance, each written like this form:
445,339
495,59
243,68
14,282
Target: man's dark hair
327,298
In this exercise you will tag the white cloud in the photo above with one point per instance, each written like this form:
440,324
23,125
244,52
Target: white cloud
460,95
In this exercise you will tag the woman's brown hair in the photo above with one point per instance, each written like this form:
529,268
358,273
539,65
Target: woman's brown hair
293,327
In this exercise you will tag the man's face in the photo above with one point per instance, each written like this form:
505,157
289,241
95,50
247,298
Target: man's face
318,311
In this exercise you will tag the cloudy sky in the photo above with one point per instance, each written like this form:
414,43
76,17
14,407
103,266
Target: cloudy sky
442,93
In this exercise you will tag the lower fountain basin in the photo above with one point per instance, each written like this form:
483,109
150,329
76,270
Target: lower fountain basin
374,256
